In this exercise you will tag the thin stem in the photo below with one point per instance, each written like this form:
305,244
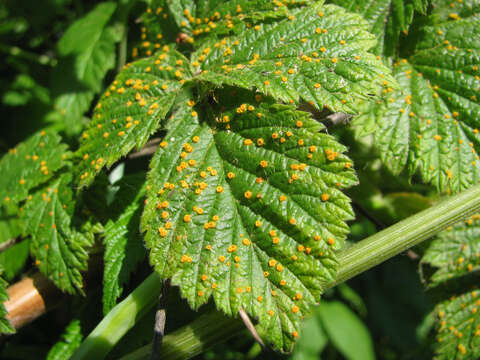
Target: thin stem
213,328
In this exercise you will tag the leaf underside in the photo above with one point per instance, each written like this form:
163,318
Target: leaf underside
70,341
60,251
244,204
455,252
432,122
456,255
123,242
458,326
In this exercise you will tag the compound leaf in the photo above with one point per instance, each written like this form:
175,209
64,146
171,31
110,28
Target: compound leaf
30,164
60,251
458,326
387,19
123,243
318,54
70,341
431,122
244,204
455,252
131,110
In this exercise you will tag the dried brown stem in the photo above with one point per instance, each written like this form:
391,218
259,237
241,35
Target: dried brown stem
29,298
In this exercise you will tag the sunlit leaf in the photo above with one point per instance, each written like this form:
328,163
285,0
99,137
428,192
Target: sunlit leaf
30,164
244,204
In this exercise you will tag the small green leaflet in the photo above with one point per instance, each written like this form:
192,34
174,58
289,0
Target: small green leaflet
319,54
5,326
88,46
431,123
455,252
387,19
60,251
71,340
29,164
458,326
131,110
123,242
244,204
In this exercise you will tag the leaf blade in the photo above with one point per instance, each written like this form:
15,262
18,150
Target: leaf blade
233,254
131,110
123,246
61,251
317,54
30,164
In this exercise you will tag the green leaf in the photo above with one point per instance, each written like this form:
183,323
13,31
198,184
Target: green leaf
458,326
158,28
444,10
5,326
317,54
14,259
123,242
387,19
87,52
70,341
346,331
244,204
60,251
312,339
431,122
202,20
131,110
455,252
23,90
30,164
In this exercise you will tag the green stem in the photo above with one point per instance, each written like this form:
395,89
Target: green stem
120,319
194,338
407,233
213,328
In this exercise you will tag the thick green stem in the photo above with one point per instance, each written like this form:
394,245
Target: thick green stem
120,319
213,328
194,338
407,233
